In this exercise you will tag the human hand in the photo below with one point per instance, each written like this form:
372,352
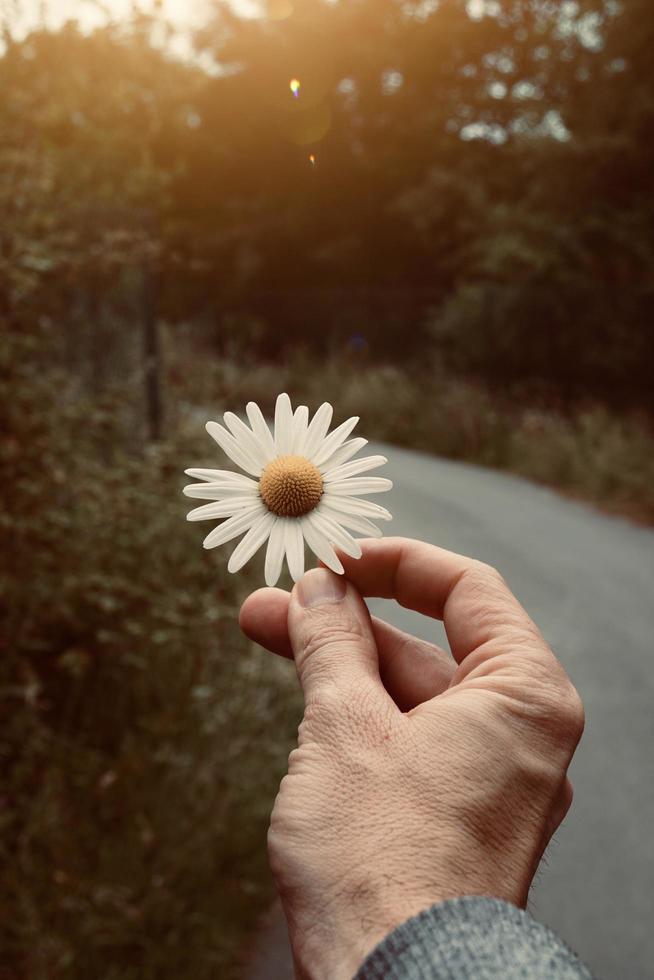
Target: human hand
418,776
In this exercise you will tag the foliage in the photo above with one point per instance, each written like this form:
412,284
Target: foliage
481,186
587,452
451,226
142,740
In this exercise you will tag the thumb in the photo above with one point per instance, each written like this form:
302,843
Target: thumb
332,639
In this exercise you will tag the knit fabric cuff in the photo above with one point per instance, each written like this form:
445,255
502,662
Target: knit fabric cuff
472,939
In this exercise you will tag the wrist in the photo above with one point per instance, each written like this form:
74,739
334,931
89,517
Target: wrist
364,912
349,926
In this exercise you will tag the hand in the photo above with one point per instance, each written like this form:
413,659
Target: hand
417,777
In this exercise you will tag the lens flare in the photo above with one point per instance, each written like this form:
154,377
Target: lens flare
294,86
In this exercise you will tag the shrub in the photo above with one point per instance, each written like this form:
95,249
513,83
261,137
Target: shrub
599,456
143,739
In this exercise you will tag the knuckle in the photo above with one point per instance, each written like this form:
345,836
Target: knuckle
495,605
343,715
321,707
484,575
326,635
281,817
485,585
277,842
572,717
567,796
560,712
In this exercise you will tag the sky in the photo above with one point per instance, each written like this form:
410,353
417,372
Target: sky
24,15
27,13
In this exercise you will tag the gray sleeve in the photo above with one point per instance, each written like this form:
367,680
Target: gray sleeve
472,939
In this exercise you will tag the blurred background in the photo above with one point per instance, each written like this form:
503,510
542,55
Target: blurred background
437,215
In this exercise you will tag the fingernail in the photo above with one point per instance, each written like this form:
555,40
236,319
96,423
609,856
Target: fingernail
320,586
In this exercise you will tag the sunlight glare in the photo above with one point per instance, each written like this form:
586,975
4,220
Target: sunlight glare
54,13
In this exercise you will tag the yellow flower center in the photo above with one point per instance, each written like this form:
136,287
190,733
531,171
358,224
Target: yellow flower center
290,486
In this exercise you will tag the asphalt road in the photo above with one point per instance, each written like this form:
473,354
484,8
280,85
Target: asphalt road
588,581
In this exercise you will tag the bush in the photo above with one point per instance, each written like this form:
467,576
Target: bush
594,455
143,739
599,456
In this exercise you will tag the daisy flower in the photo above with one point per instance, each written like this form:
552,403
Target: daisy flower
300,487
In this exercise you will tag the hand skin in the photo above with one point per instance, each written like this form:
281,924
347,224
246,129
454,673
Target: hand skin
418,776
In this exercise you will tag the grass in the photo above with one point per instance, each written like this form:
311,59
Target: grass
587,452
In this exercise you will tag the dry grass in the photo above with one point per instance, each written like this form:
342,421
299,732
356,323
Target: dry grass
588,453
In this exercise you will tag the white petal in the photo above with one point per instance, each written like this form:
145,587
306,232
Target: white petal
294,547
360,524
333,441
251,543
261,430
334,534
245,438
275,553
351,469
216,491
283,425
300,426
356,507
341,455
211,476
317,429
320,546
229,445
234,526
222,508
360,485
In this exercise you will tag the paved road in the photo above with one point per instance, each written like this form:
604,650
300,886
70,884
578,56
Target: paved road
588,581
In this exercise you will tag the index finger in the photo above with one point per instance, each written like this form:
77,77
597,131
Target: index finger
470,597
